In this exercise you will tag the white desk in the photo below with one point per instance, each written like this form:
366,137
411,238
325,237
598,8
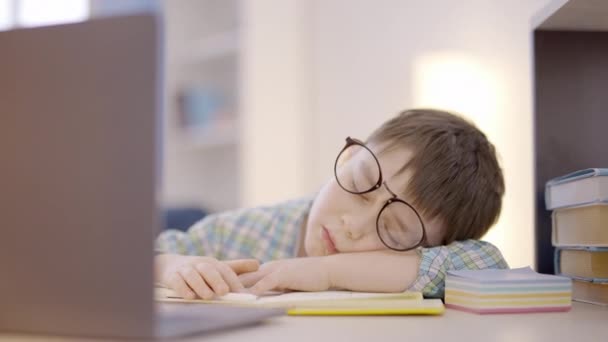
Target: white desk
584,322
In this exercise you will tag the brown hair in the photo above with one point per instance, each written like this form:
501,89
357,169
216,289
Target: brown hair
455,174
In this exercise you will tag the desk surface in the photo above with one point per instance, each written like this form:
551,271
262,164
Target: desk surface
585,322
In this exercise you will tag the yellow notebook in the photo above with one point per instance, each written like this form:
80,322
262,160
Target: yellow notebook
369,307
325,302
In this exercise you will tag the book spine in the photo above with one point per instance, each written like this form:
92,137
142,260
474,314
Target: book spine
580,225
553,202
558,258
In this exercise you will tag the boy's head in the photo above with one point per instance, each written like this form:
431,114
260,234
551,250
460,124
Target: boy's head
437,162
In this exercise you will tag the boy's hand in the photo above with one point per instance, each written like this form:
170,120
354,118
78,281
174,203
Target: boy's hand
303,274
192,276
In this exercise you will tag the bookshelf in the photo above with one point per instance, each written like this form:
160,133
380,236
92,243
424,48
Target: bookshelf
202,54
570,100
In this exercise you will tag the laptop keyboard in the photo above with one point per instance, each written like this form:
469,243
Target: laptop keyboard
207,317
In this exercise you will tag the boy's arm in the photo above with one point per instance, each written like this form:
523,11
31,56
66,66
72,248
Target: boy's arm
422,270
375,271
378,271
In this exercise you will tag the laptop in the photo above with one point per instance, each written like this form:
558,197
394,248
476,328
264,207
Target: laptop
80,147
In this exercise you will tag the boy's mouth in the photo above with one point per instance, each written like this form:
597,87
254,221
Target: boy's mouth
329,242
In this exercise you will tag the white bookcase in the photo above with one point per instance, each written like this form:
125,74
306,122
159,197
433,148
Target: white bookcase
202,114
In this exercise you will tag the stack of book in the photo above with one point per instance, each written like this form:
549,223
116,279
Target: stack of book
579,202
518,290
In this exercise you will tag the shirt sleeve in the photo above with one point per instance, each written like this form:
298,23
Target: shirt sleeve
203,238
436,261
264,233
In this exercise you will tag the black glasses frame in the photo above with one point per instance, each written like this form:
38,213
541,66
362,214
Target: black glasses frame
394,198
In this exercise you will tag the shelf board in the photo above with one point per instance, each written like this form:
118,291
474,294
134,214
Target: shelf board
573,15
215,46
224,134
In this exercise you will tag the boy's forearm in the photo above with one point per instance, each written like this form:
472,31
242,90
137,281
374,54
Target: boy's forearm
380,271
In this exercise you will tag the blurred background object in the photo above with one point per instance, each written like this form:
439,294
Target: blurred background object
29,13
182,218
261,94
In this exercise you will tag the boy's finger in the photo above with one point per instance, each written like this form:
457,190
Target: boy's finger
249,279
269,282
243,265
230,277
196,282
212,277
178,284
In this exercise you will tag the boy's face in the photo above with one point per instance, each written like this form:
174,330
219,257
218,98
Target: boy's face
341,222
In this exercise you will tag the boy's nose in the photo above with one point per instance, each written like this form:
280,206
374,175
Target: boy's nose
357,226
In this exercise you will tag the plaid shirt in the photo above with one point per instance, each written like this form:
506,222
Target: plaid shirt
273,232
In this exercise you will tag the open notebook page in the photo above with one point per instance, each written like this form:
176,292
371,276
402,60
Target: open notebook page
288,298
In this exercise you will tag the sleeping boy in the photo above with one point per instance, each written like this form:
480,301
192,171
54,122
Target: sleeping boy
403,207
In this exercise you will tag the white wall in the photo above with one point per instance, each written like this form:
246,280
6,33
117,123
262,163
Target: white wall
276,76
375,58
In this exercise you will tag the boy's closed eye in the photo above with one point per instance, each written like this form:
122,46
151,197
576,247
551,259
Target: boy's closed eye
357,188
365,173
361,180
391,232
394,239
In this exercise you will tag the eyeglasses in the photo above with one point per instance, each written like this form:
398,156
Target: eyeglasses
358,172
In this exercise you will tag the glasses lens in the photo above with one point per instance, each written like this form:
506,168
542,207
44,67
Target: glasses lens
357,170
399,227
